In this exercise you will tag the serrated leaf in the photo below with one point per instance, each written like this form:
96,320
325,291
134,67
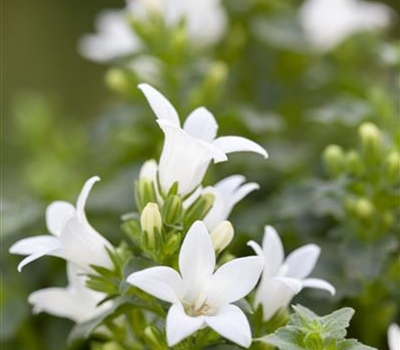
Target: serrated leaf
285,338
336,323
352,344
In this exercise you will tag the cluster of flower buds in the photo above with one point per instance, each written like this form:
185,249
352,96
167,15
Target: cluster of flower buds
181,232
375,165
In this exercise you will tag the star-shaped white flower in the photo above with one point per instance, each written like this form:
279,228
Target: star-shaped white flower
188,151
72,237
280,279
201,297
76,301
394,337
205,22
328,22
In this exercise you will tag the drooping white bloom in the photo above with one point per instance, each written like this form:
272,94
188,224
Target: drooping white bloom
205,22
227,193
328,22
199,296
280,279
188,151
72,237
394,337
76,301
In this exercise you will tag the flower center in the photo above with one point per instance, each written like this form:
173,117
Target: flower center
199,306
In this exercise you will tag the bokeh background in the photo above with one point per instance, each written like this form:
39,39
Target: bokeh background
66,118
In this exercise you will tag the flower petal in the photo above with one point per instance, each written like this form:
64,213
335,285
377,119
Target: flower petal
161,107
294,284
257,248
230,144
35,247
273,250
83,245
302,261
162,282
196,258
82,198
201,124
273,295
57,214
179,325
394,337
235,279
319,284
231,323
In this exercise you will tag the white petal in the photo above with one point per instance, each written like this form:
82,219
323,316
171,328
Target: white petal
235,279
394,337
257,248
179,325
294,284
32,245
76,277
273,295
273,250
82,198
201,124
302,261
230,144
84,246
184,159
196,258
319,284
161,107
149,170
35,247
162,282
230,184
231,323
57,214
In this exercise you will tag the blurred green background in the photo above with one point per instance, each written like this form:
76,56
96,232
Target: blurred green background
62,124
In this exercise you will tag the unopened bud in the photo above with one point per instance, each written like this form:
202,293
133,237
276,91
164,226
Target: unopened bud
199,209
334,159
353,163
393,167
154,338
112,346
172,210
370,137
145,192
119,81
151,223
364,208
222,235
172,243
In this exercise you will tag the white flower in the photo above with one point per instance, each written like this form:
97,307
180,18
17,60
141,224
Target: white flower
394,337
76,301
281,280
189,150
328,22
205,22
72,239
201,297
227,193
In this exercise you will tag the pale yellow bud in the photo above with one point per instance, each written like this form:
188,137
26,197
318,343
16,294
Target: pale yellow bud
222,235
334,159
370,137
364,208
151,222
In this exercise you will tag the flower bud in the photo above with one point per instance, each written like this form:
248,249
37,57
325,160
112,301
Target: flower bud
154,338
222,235
172,243
199,209
151,223
172,210
112,346
334,159
370,137
118,80
364,208
145,192
393,167
353,163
